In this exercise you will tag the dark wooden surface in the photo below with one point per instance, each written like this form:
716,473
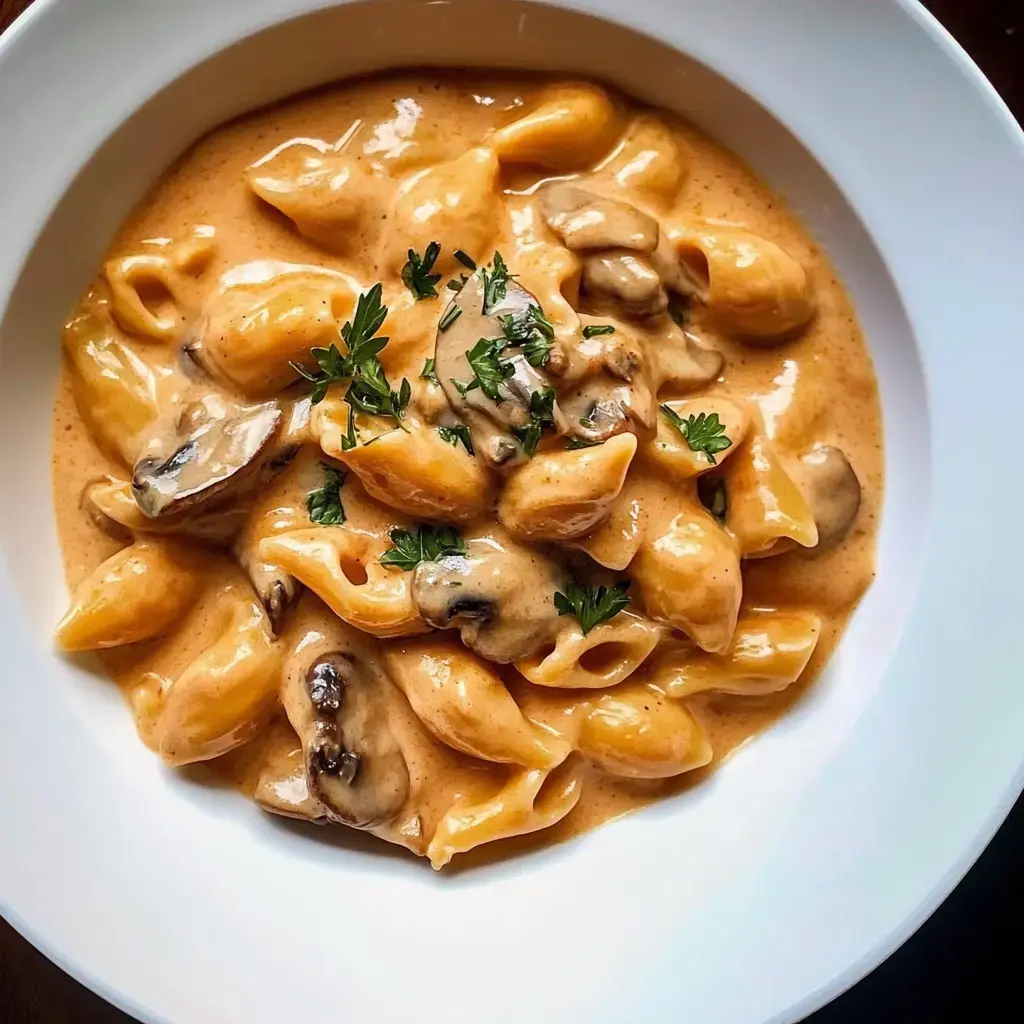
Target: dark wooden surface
973,941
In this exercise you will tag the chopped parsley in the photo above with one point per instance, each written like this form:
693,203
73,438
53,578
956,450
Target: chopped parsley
416,273
429,372
597,330
495,283
532,331
488,368
425,544
592,605
450,315
453,435
575,443
467,261
542,415
702,433
324,504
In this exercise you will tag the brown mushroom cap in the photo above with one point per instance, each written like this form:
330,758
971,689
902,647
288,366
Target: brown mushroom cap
832,491
208,446
585,220
628,279
338,706
500,595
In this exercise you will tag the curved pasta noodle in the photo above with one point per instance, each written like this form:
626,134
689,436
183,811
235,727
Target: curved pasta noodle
114,388
226,695
324,193
616,541
608,654
413,469
769,651
136,594
689,576
570,127
751,286
649,161
562,495
251,336
465,704
342,567
531,800
148,294
456,204
766,512
669,448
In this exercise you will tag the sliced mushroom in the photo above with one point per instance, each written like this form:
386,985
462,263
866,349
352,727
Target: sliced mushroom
601,407
337,703
683,362
626,278
490,422
208,446
585,220
500,595
833,493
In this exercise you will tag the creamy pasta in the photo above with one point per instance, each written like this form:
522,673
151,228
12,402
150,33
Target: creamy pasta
459,457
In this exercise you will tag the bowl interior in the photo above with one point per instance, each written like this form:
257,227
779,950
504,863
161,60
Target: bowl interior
223,851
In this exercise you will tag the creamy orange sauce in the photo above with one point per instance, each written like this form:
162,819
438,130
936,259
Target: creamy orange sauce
815,388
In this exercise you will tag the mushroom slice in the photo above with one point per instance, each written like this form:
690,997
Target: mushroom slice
210,445
339,707
585,220
832,491
499,595
600,407
630,280
458,337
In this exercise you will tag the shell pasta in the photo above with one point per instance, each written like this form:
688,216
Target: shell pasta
462,457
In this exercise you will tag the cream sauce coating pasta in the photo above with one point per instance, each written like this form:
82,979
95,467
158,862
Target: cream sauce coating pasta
519,568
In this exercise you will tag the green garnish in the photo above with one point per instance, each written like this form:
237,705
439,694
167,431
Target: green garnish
453,435
467,261
426,544
702,433
489,369
429,372
596,330
495,283
324,504
531,330
457,286
450,315
416,272
575,443
542,415
592,605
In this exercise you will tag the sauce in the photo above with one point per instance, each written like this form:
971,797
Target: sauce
817,388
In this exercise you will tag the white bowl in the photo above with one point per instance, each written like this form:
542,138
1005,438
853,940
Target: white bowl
818,848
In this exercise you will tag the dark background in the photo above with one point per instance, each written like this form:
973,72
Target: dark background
972,943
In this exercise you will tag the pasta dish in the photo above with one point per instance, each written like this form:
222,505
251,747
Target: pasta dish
457,456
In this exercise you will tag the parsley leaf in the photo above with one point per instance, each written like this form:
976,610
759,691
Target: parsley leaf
450,315
416,272
453,435
702,433
333,367
467,261
542,415
426,544
597,330
457,286
489,369
324,504
495,283
531,330
429,372
592,605
575,443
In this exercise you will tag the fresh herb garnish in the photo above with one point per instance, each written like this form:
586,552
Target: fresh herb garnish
426,544
324,504
489,369
531,330
592,605
597,330
450,315
702,433
416,272
457,286
542,415
495,283
453,435
713,497
429,372
575,443
467,261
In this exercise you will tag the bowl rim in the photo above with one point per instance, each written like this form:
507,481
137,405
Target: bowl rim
999,804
